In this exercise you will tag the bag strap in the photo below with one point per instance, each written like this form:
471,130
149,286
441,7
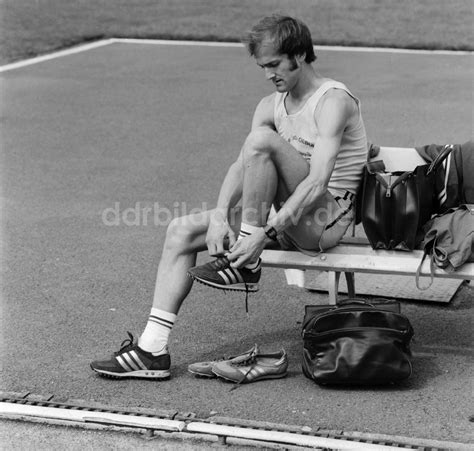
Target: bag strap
418,272
448,148
375,166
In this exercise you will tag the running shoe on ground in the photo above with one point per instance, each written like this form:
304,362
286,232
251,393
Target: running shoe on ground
254,367
219,274
132,361
204,369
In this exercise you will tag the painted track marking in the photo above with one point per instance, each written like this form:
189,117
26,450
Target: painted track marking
104,42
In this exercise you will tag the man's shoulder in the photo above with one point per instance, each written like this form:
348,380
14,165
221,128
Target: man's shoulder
268,101
338,94
336,99
263,115
266,104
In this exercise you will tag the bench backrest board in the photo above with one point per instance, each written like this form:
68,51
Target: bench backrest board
399,158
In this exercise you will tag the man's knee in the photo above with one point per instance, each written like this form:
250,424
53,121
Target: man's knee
180,232
260,141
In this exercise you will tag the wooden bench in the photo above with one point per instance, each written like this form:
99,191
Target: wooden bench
353,258
354,254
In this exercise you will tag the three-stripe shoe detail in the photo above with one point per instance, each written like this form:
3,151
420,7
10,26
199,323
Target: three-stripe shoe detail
220,274
259,372
231,276
130,361
253,367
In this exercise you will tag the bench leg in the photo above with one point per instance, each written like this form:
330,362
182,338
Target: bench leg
333,286
350,284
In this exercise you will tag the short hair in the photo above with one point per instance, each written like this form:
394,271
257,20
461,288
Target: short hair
290,36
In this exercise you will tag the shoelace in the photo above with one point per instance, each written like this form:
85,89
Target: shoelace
126,344
222,263
247,300
252,360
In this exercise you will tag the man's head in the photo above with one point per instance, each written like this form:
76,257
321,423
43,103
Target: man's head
281,46
287,35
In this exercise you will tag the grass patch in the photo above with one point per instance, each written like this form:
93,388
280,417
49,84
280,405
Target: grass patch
33,27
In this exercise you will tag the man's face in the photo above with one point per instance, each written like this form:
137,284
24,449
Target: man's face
281,70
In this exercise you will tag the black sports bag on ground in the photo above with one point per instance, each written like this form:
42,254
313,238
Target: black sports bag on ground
356,343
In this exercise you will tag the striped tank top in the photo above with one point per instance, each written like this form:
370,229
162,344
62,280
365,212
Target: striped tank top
301,131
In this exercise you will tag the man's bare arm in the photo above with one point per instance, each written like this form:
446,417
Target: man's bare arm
332,117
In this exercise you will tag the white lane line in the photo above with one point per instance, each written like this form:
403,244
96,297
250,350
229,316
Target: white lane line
331,48
53,55
101,43
173,42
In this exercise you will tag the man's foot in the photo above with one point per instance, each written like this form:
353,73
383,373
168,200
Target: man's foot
253,367
220,274
132,361
204,369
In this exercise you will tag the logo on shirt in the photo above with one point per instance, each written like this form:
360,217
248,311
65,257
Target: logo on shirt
302,141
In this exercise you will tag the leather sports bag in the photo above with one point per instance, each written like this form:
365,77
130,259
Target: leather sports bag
395,205
356,343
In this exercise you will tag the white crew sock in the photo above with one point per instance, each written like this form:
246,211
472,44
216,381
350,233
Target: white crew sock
246,230
154,338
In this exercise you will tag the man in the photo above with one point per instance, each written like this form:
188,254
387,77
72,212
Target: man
304,155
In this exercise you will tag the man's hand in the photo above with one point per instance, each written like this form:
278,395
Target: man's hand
247,250
218,231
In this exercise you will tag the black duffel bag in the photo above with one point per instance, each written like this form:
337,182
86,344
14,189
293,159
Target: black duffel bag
356,343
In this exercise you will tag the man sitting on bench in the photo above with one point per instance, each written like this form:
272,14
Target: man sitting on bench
304,156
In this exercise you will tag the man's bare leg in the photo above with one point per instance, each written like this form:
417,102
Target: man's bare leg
149,358
272,171
185,237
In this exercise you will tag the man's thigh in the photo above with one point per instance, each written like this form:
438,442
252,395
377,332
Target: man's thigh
323,226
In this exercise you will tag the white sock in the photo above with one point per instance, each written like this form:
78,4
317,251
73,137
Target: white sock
154,338
246,230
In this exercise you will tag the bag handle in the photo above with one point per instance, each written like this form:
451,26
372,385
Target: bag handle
448,148
354,301
418,272
375,166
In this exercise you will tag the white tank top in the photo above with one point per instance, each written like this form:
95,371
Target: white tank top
301,131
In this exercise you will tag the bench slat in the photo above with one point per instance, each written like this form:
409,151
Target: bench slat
347,259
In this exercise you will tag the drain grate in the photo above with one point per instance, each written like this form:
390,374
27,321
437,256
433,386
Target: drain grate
190,420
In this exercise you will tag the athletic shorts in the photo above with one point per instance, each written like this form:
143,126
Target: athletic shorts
336,226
